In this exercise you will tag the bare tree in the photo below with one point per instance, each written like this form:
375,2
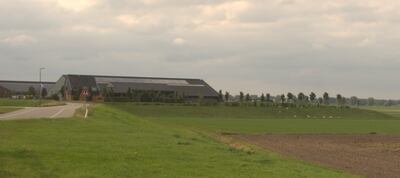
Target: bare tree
326,98
290,97
262,98
227,96
313,97
268,97
371,101
241,97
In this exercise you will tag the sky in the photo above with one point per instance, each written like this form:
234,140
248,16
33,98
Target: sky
348,47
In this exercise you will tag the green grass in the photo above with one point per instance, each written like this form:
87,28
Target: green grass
114,143
393,111
19,103
28,103
285,126
220,112
253,120
7,109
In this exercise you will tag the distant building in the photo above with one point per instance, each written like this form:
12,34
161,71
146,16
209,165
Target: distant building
72,87
22,87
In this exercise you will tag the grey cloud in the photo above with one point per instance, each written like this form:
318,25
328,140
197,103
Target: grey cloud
347,47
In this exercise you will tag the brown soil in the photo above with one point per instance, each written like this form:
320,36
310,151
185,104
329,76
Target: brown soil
365,155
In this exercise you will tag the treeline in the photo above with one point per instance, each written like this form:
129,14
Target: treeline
301,99
31,93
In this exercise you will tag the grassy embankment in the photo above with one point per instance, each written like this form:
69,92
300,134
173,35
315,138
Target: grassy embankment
7,109
114,143
254,120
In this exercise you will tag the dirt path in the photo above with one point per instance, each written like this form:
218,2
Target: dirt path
67,110
366,155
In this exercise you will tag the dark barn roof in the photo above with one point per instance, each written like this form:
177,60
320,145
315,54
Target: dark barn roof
121,84
23,86
79,81
3,90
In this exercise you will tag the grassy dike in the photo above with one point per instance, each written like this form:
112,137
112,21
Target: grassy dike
115,143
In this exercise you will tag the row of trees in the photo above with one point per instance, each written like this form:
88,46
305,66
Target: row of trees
31,93
292,99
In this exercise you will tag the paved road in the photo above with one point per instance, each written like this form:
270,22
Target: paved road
42,112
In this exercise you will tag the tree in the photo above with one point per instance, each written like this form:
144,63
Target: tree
268,97
283,99
290,97
371,101
301,97
129,93
241,97
313,97
227,96
247,97
339,99
44,92
389,103
262,98
220,96
354,101
31,91
326,98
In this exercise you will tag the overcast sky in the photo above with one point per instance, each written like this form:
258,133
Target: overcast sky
351,47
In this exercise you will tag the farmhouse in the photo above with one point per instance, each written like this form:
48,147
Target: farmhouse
123,88
23,87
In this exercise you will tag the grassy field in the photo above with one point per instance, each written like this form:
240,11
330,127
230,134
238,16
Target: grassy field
7,109
221,112
272,120
19,103
393,110
114,143
28,103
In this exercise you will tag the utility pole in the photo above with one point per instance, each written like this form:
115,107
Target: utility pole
40,88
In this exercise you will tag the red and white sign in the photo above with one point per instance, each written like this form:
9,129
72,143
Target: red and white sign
85,92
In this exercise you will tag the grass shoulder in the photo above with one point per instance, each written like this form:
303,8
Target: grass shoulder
4,110
115,143
29,103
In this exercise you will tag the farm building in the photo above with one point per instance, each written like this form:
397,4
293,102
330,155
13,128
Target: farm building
4,92
122,88
23,87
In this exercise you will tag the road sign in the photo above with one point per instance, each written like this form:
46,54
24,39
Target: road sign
85,92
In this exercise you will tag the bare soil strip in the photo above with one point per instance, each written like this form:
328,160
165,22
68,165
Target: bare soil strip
365,155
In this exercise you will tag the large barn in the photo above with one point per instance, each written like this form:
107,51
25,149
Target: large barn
4,92
72,87
23,87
